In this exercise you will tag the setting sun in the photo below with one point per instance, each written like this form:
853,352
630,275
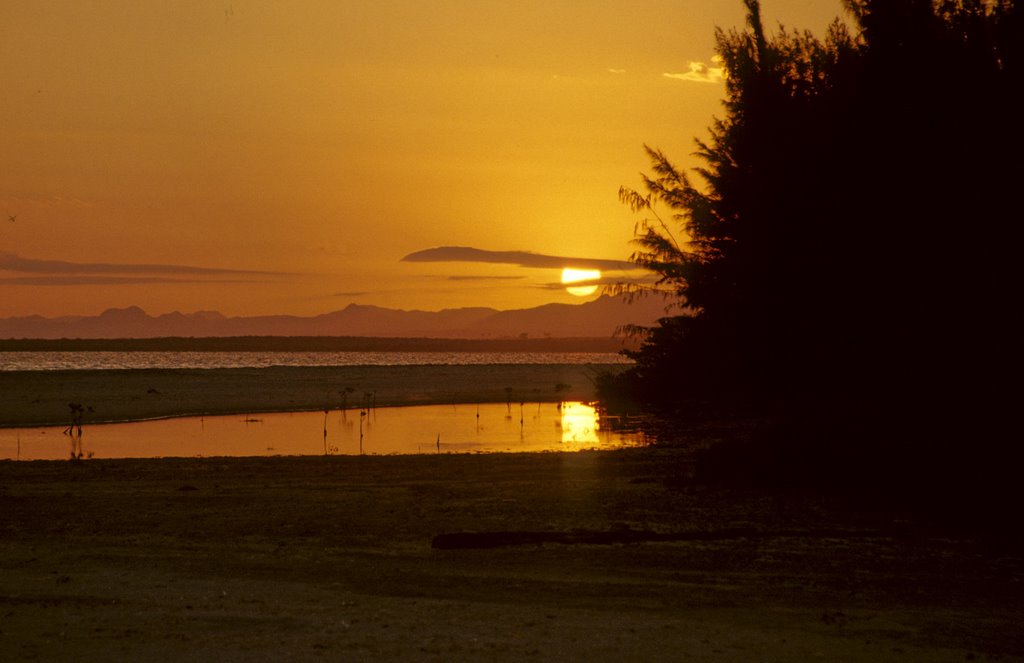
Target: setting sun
245,114
571,275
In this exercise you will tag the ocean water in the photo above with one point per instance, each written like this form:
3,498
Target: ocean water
109,360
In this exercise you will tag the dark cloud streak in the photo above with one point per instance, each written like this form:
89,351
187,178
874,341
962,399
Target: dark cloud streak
521,258
486,278
15,263
602,282
73,280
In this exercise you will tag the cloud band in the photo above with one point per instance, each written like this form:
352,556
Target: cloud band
521,258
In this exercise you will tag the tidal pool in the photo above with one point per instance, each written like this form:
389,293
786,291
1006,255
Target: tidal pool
472,428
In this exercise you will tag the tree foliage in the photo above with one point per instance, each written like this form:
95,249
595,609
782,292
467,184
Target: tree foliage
848,235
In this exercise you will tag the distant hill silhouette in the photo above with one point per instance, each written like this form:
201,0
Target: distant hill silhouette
596,319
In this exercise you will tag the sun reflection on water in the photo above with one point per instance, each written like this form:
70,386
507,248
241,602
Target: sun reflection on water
579,423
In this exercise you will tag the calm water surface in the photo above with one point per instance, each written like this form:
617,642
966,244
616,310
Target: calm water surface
485,428
103,360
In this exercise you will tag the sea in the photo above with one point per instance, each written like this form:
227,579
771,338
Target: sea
115,360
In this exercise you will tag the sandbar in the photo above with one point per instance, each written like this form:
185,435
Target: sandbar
36,398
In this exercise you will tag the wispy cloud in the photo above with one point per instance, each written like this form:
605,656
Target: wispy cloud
616,71
485,278
72,280
603,281
701,72
54,201
14,263
521,258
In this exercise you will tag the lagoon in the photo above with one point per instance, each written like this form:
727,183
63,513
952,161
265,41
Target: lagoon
426,429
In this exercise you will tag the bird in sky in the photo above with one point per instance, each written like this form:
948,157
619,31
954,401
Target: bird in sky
12,217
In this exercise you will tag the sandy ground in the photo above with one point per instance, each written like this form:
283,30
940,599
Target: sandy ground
41,397
331,558
614,555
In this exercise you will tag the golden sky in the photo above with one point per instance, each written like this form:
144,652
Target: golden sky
259,157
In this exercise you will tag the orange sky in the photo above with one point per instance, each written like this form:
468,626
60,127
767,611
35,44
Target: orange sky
283,157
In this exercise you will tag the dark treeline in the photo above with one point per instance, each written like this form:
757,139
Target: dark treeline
312,344
846,258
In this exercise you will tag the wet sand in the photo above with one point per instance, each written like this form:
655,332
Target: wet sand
30,398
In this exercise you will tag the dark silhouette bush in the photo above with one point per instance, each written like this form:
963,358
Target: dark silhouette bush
846,260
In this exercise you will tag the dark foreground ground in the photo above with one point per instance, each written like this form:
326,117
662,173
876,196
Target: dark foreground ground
597,555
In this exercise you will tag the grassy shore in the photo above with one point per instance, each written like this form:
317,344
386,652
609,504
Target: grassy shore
29,398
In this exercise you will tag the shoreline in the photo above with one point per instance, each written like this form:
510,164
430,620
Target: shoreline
42,398
583,344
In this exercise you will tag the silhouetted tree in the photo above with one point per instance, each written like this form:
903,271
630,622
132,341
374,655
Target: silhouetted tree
849,249
756,237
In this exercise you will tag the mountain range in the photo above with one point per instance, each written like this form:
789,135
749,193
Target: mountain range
595,319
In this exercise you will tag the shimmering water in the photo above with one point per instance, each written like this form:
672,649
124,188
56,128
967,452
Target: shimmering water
484,428
57,361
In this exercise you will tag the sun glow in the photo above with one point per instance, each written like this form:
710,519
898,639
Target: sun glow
572,275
